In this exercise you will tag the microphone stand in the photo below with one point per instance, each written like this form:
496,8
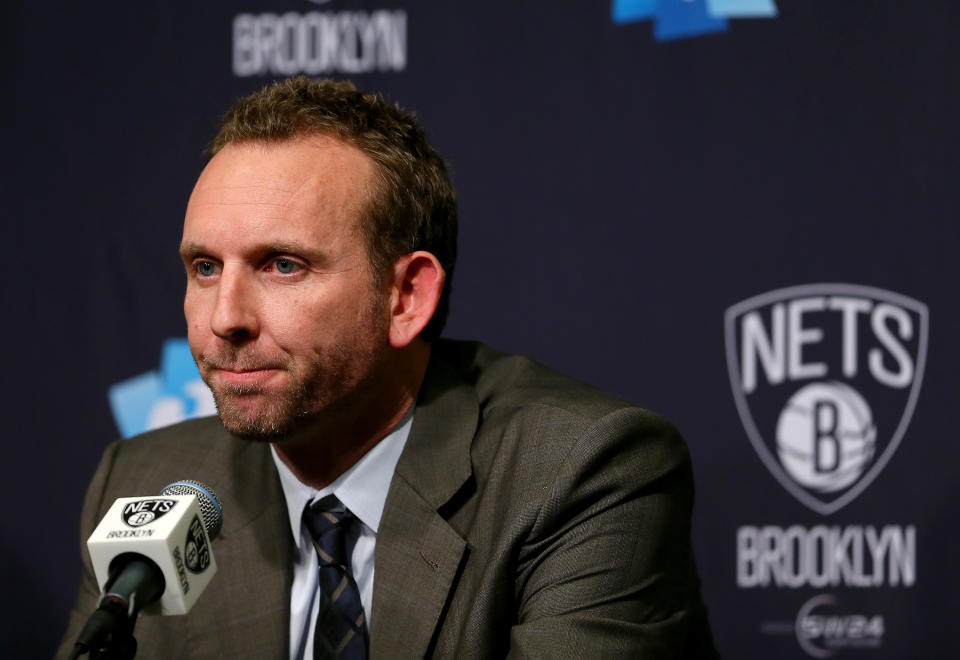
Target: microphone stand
108,633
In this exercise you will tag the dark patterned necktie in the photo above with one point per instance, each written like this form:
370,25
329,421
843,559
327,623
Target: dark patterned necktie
341,630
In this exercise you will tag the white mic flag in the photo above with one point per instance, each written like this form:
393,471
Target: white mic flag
173,530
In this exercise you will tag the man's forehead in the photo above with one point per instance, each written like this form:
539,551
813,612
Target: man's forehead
287,168
317,177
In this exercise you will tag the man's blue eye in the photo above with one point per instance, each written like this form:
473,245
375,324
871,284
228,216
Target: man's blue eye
285,266
205,268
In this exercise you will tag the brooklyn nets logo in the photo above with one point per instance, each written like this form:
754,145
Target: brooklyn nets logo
196,547
826,378
145,511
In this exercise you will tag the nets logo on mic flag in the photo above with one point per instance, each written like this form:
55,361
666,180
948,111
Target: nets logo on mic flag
172,394
826,378
677,19
144,512
196,547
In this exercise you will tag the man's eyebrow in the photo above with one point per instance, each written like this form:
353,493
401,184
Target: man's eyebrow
293,247
190,250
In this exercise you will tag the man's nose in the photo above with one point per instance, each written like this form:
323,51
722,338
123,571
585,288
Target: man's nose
235,315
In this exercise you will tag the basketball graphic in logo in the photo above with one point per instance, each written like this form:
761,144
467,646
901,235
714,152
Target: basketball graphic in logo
826,436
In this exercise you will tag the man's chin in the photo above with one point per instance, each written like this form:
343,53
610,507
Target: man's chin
255,426
255,433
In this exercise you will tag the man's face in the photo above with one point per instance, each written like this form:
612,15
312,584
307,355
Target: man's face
284,317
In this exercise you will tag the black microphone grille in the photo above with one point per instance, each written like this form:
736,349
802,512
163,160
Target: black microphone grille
210,507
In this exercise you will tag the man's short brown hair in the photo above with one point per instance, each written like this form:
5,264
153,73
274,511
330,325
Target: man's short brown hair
413,206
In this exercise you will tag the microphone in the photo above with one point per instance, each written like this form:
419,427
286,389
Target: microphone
151,554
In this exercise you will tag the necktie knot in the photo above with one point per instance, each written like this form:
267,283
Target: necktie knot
328,529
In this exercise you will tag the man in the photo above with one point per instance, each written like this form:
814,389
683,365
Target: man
488,506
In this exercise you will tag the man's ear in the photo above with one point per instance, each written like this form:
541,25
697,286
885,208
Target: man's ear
414,294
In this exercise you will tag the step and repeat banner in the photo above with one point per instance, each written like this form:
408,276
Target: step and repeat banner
739,213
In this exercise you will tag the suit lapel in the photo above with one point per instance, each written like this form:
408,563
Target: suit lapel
253,555
418,554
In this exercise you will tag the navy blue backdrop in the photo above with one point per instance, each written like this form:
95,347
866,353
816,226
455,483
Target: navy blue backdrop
739,213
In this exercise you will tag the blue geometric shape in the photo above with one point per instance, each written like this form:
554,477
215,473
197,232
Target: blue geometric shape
158,398
629,11
132,400
178,369
742,8
685,18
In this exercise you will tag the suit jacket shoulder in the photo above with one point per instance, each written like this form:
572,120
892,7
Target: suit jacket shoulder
534,515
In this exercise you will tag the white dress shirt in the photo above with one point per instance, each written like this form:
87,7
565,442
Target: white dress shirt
362,489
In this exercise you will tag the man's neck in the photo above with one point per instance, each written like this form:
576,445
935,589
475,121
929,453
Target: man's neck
325,448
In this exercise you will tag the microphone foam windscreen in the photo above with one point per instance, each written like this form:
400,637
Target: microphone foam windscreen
210,508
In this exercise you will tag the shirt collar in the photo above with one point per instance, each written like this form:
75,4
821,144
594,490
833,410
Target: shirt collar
362,488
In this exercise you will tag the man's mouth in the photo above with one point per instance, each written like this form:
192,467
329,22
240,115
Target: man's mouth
236,376
235,371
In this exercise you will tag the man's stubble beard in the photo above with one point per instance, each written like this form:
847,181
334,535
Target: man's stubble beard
325,387
273,420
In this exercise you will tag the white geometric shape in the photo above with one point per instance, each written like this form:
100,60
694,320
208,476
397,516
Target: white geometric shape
166,540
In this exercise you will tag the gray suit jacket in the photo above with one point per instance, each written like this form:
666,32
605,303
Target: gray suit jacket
530,515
